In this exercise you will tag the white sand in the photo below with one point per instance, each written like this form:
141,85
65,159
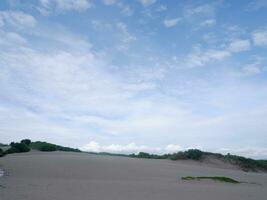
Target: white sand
78,176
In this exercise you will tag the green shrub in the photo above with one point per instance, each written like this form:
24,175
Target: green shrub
45,146
193,154
11,150
26,141
18,148
48,147
177,156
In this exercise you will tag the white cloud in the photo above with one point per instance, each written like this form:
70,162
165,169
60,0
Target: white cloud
126,9
171,148
118,148
132,147
125,36
260,37
239,45
254,67
171,22
16,19
208,23
63,5
11,38
146,3
201,10
201,58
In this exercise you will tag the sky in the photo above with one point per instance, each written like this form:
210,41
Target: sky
135,75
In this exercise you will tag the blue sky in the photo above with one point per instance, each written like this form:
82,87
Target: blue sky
140,75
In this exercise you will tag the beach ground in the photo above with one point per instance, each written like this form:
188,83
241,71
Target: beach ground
80,176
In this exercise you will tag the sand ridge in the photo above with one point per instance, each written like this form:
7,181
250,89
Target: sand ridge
61,175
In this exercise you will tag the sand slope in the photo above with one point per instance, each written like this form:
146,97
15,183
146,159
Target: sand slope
79,176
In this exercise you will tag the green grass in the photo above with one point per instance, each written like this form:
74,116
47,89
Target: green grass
215,178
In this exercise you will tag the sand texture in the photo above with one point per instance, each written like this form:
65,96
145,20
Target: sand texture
81,176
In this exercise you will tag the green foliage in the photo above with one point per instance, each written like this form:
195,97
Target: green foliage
26,141
11,150
17,148
48,147
45,146
215,178
247,164
191,154
149,156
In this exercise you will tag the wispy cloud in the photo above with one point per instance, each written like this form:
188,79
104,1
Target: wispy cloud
47,6
260,37
208,23
171,22
16,19
201,57
239,45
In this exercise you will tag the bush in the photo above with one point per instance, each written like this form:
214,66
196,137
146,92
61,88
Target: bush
143,155
11,150
45,146
193,154
178,156
26,141
48,147
18,148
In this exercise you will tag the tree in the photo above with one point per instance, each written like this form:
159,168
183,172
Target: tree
26,141
18,147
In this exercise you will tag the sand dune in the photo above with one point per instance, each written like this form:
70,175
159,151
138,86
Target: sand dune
80,176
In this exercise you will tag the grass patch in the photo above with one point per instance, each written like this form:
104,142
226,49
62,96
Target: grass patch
215,178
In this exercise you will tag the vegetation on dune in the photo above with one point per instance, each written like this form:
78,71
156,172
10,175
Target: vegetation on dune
246,164
26,145
215,178
17,147
26,141
191,154
45,146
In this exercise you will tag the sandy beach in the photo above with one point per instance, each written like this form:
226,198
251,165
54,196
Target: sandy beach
68,176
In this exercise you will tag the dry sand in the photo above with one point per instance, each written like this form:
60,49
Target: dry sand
80,176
